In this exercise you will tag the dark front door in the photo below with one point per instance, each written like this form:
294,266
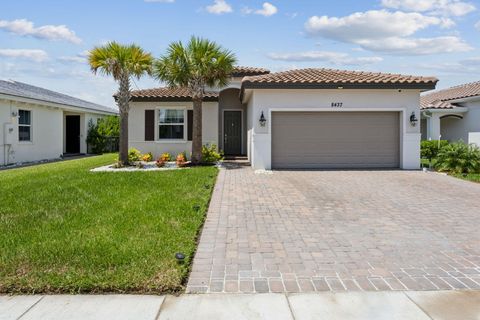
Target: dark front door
72,128
232,132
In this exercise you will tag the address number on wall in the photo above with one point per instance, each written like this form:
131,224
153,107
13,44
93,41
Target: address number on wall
337,104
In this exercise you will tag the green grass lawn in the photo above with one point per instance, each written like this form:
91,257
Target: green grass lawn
474,177
65,229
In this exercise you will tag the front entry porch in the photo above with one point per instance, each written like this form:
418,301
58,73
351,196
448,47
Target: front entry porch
434,123
232,137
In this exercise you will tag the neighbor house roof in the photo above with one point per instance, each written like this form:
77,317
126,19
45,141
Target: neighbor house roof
23,90
332,78
169,94
441,99
240,71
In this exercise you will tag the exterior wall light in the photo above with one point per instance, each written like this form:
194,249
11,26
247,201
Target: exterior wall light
14,114
413,119
262,120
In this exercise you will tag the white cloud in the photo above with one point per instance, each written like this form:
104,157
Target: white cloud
267,10
219,7
370,25
78,58
438,7
24,27
336,58
417,46
465,66
389,32
36,55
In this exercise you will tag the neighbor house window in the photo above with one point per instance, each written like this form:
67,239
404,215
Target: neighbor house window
171,124
24,125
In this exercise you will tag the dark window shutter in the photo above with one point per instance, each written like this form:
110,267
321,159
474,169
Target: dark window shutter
189,125
149,125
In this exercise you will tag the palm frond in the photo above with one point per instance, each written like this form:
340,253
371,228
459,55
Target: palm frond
201,62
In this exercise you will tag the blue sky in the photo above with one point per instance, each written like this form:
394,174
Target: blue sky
44,42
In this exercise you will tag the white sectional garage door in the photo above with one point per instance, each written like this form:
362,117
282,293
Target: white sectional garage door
326,140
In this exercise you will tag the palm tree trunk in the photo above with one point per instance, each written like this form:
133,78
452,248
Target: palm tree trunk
124,107
197,131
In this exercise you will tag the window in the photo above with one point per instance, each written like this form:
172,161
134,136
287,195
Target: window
24,125
171,124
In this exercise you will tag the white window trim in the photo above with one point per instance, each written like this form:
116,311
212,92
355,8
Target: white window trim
184,124
25,125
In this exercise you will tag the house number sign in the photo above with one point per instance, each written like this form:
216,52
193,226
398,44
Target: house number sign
337,104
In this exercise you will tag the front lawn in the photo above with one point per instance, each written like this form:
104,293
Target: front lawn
65,229
474,177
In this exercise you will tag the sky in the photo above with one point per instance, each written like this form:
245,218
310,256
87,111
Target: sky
45,42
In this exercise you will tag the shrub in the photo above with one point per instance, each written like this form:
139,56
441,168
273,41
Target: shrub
431,148
166,157
210,154
134,155
181,159
160,162
459,157
147,157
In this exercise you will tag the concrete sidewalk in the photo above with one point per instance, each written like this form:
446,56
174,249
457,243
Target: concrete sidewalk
419,305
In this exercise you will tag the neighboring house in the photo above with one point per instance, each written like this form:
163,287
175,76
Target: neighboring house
309,118
39,124
452,114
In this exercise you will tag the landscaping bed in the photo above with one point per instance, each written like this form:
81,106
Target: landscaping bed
457,159
64,229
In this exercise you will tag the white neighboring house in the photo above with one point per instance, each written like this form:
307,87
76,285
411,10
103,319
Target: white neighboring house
39,124
452,114
308,118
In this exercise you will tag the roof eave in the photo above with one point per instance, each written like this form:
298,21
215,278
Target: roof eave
419,86
171,99
52,104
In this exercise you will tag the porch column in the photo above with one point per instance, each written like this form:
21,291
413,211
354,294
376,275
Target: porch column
433,127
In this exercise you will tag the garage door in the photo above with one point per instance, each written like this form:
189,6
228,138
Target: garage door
335,140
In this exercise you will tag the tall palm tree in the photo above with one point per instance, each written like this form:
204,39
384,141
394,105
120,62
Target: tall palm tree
122,62
199,64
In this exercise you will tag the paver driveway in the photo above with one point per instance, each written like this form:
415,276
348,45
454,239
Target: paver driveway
339,230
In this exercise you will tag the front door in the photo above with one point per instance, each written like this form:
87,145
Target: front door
232,132
72,134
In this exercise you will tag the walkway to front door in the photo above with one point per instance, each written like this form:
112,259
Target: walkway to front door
338,230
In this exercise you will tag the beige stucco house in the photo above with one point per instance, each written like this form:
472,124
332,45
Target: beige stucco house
452,114
39,124
309,118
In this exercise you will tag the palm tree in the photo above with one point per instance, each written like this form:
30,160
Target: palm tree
199,64
121,62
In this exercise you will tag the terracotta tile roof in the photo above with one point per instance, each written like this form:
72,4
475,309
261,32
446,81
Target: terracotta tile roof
441,99
241,71
169,94
332,78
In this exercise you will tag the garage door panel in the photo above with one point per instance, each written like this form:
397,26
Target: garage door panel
335,140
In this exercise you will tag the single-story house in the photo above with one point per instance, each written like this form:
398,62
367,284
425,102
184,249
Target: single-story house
308,118
39,124
452,114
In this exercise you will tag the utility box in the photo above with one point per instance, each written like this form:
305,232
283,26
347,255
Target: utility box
8,134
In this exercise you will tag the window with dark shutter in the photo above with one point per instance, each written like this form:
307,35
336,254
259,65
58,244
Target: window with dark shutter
149,125
190,125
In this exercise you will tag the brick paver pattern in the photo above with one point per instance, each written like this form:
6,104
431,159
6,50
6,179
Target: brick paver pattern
303,231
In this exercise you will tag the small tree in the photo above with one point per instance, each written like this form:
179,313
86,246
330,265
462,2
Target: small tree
199,64
121,62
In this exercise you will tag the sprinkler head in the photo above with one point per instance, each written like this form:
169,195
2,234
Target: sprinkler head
180,257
